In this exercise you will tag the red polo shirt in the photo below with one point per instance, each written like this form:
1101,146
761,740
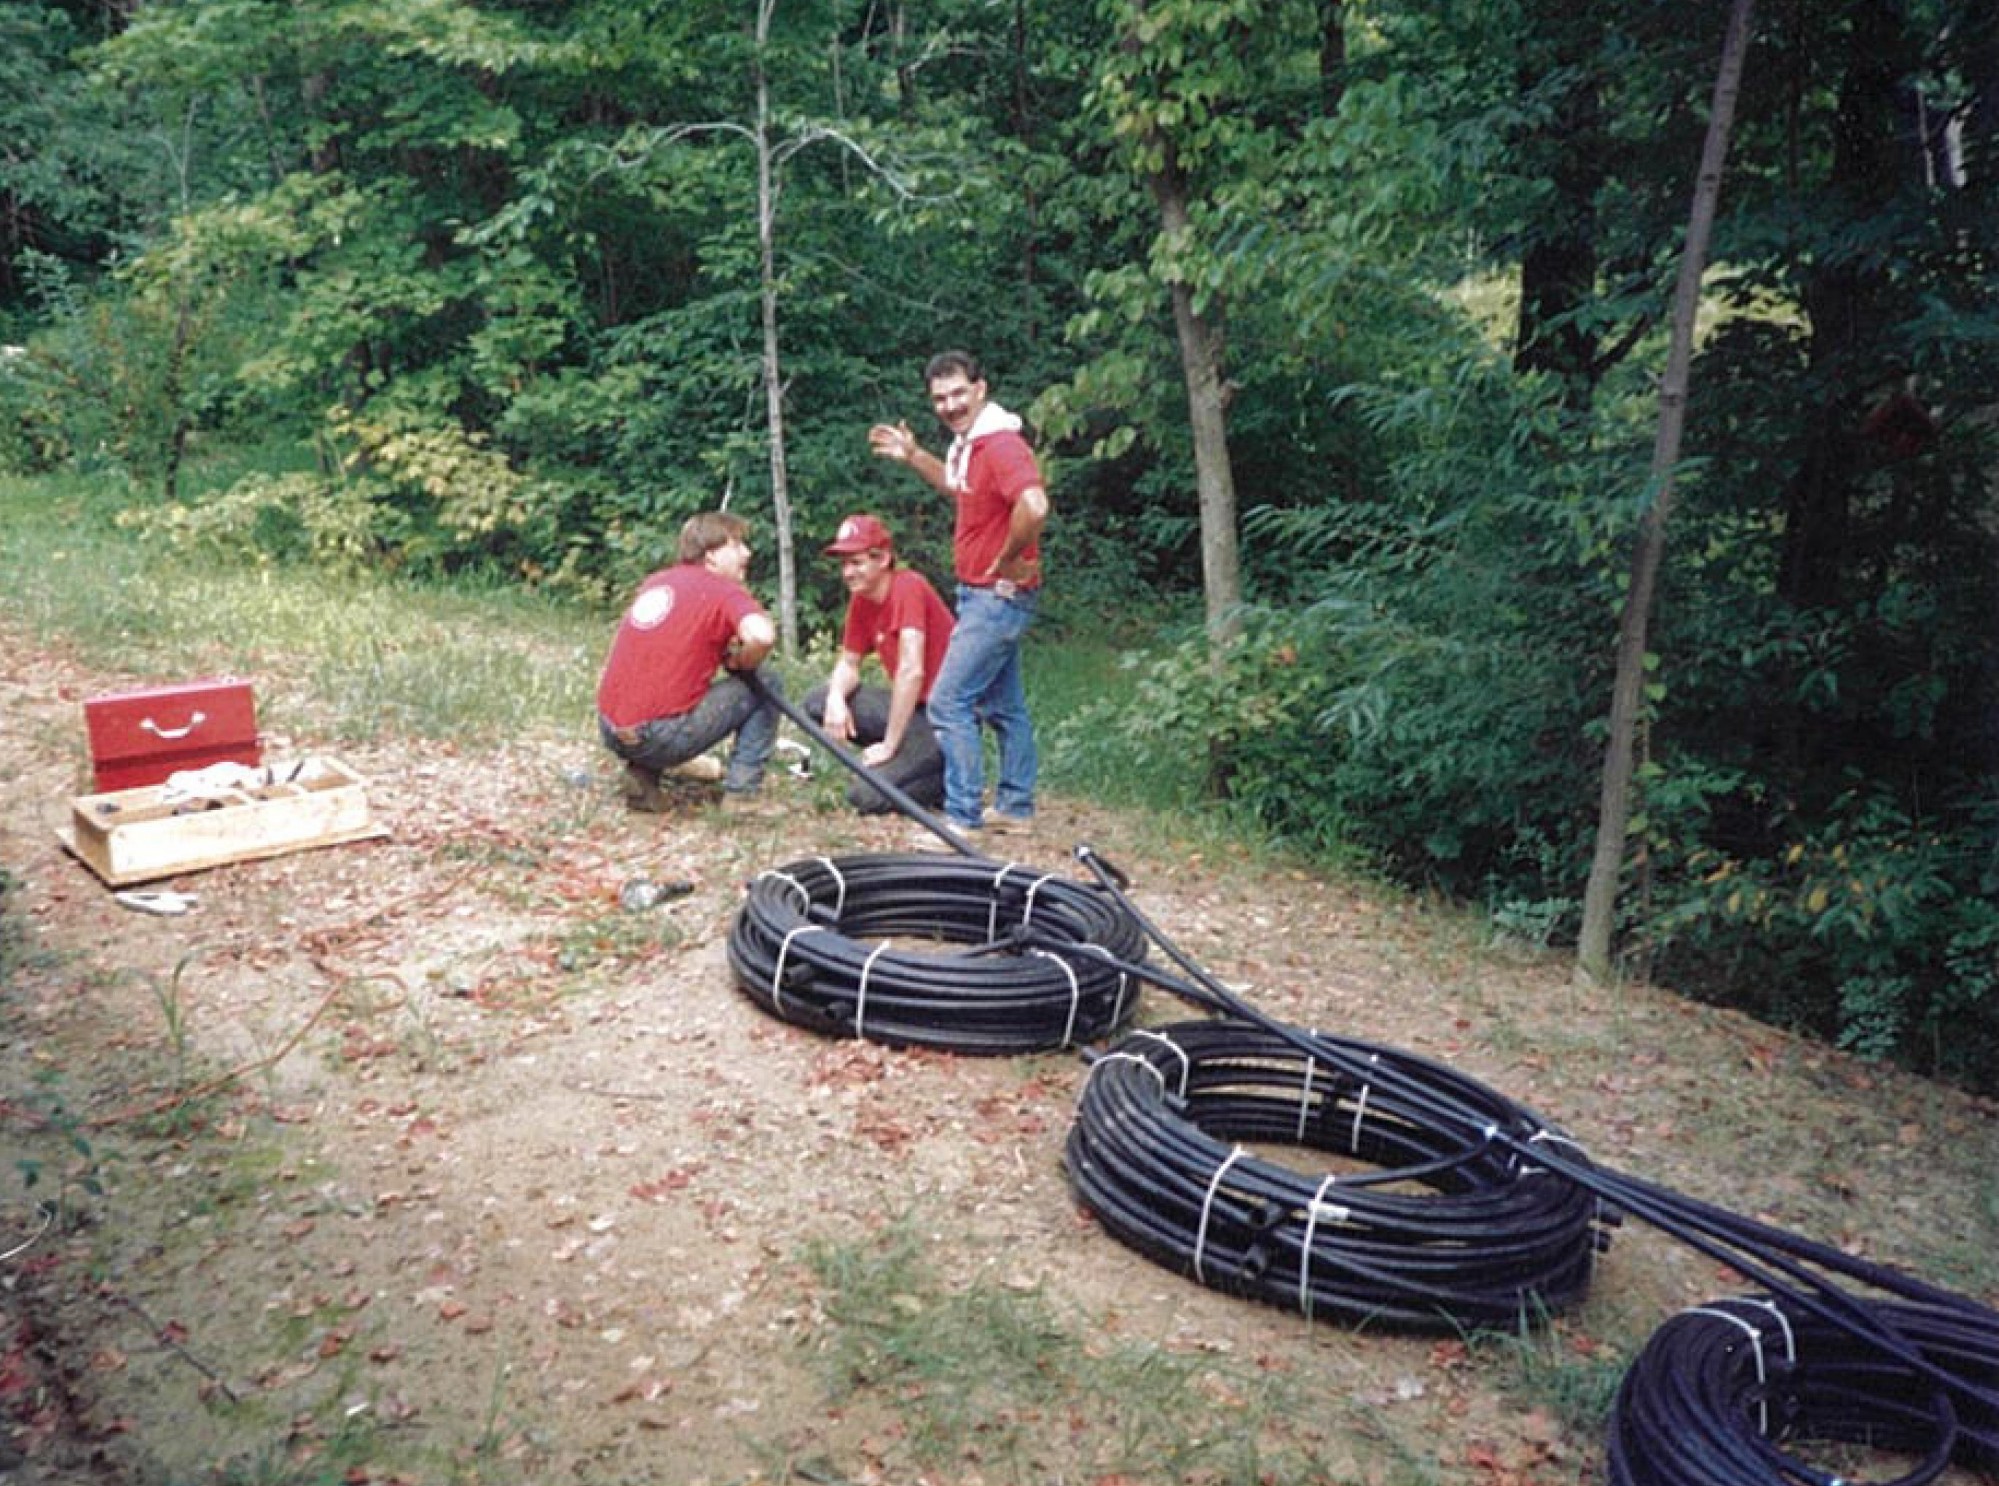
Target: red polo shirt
670,644
1000,468
876,628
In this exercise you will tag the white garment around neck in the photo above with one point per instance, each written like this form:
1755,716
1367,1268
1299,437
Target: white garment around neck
991,419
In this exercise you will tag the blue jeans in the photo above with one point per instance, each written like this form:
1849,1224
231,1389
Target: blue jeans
980,684
729,707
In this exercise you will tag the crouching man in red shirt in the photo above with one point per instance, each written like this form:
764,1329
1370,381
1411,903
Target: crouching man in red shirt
892,613
673,684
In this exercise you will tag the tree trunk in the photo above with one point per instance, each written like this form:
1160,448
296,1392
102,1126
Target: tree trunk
780,484
173,394
1558,272
1201,341
1853,304
1849,303
1030,201
1980,52
1614,806
1332,55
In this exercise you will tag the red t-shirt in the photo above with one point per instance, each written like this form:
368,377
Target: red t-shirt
1000,468
670,644
876,628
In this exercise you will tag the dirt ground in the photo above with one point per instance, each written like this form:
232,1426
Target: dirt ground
431,1136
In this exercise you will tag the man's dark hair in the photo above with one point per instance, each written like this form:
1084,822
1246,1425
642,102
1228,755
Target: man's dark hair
946,362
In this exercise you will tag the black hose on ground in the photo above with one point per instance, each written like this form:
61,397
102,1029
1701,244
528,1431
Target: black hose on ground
1510,1213
1732,1392
1420,1230
816,942
890,791
1894,1341
822,943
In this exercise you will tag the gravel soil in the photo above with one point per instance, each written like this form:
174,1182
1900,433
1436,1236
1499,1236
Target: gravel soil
429,1142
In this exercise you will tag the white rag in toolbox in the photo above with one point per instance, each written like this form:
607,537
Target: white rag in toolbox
231,781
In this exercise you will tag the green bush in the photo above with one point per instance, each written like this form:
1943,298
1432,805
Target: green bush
1243,732
1872,928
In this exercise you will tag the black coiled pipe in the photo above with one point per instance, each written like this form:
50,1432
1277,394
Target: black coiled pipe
1421,1229
1728,1393
815,943
1912,1364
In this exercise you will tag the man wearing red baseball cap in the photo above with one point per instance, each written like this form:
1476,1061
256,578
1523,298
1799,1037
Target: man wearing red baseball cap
894,614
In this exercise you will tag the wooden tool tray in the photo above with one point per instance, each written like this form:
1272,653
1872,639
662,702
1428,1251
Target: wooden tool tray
136,835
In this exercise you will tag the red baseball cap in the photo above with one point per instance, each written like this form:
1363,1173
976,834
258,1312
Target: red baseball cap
860,534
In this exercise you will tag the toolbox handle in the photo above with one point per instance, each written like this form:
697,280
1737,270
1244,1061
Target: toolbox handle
171,735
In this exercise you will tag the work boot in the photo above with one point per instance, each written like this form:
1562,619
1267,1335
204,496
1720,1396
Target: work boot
642,791
743,801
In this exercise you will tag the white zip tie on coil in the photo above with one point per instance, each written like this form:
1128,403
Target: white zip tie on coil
1075,994
1305,1094
1145,1063
777,971
1317,1208
785,877
1783,1323
839,903
1207,1207
1360,1110
1756,1348
861,997
992,908
1027,913
1123,985
1186,1066
1104,956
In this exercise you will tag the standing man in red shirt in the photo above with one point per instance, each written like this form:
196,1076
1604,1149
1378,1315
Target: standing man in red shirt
990,474
892,613
660,701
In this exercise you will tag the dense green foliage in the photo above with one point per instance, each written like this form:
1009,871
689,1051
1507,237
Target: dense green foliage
491,276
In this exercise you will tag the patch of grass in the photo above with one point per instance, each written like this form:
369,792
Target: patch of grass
172,999
1076,690
475,665
620,936
62,1165
1966,1259
376,656
992,1380
360,657
1542,1367
20,953
1095,746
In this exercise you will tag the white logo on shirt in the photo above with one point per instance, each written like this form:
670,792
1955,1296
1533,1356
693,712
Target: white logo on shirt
649,609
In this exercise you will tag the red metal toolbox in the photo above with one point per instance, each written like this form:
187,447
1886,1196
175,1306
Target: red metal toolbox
140,737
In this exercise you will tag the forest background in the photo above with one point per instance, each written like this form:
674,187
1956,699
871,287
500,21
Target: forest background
1339,326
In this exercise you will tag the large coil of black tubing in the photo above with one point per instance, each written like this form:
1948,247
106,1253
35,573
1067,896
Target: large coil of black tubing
1732,1393
848,947
1422,1226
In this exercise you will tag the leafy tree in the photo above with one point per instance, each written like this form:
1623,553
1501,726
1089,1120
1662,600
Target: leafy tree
507,280
1171,86
1843,505
774,140
1599,906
